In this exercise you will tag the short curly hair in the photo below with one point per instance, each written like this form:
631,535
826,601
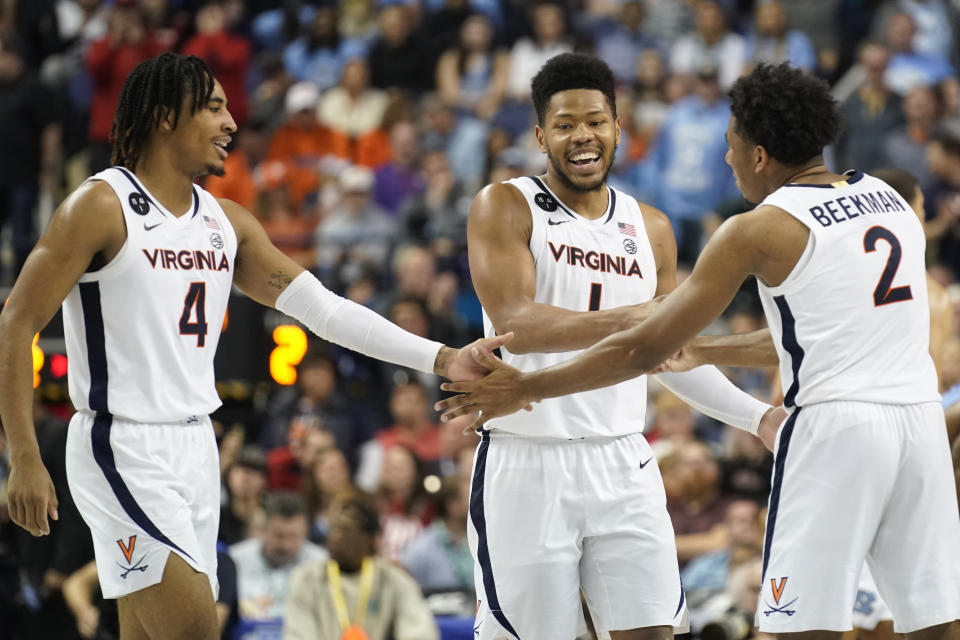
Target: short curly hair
571,71
789,113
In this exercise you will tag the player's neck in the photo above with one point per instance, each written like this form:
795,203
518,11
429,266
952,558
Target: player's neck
812,172
589,204
165,181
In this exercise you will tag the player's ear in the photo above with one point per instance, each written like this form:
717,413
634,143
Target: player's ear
760,158
538,131
165,119
616,125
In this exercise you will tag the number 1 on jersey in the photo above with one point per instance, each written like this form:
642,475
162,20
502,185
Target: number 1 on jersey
596,289
193,306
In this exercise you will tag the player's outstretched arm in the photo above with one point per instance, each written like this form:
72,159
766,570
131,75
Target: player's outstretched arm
732,254
271,278
88,225
505,279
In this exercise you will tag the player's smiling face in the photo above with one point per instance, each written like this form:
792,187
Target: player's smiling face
201,138
579,135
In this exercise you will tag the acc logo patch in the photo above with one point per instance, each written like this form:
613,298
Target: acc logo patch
630,246
139,203
545,202
216,240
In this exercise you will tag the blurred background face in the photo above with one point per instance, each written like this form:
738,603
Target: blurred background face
743,523
356,76
317,380
476,33
408,404
245,483
405,143
701,470
283,538
347,542
548,23
631,15
920,106
771,19
711,23
415,272
324,25
900,31
874,61
331,471
394,25
399,474
410,317
650,68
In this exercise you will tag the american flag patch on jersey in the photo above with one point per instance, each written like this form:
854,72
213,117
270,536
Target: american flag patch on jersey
211,222
627,229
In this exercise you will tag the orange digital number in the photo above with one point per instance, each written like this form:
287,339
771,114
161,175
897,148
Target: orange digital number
291,343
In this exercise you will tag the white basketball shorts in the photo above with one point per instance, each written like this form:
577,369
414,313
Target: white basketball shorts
145,490
855,481
550,517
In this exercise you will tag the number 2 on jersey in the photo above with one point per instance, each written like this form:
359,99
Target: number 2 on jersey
194,307
883,294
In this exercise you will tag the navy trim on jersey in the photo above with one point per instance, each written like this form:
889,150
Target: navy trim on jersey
792,347
778,464
613,204
480,524
136,185
96,347
682,598
547,191
849,177
103,454
196,202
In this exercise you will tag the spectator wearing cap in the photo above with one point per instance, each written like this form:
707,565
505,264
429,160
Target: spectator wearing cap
245,484
712,42
356,230
302,143
228,55
773,41
356,594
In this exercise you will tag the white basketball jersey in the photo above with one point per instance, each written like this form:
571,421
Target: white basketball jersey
142,331
851,321
583,265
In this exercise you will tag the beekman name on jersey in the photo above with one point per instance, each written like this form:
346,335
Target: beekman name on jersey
595,260
849,207
186,260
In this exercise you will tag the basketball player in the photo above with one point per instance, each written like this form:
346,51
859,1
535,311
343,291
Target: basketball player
564,497
862,466
143,261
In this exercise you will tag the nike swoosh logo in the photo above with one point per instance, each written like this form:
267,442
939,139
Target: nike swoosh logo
151,227
643,464
552,222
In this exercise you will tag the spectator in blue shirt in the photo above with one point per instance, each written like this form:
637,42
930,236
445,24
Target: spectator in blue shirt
908,67
319,56
619,40
772,41
686,175
439,558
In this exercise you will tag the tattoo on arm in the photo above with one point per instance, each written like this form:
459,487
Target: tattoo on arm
279,280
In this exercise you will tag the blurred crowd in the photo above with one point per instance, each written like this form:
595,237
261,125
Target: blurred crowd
365,129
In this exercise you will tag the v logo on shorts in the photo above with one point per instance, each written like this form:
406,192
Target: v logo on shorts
127,549
777,588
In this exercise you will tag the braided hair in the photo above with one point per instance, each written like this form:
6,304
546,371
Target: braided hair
156,87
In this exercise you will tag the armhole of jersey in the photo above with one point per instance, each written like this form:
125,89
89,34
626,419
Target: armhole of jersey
538,234
112,267
798,269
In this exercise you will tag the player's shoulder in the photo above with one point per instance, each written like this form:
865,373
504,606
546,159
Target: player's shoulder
499,203
91,207
655,221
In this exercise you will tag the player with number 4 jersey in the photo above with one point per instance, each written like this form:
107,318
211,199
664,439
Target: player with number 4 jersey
143,261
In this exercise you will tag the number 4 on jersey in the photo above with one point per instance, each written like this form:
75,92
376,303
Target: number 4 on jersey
193,307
